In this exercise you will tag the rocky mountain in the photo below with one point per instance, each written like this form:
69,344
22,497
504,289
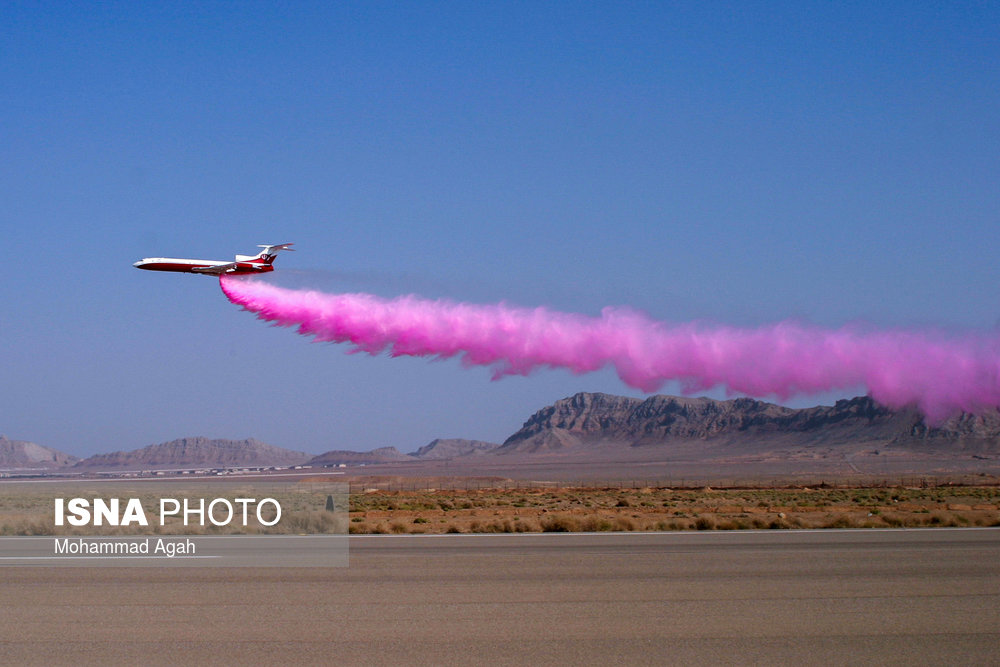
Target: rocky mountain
451,447
586,420
379,455
21,454
198,452
434,450
601,427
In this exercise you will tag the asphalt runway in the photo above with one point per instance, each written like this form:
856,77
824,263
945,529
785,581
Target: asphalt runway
816,597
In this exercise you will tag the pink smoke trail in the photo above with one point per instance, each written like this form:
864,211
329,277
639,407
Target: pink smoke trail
940,375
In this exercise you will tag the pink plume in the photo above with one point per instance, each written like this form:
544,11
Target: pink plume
940,375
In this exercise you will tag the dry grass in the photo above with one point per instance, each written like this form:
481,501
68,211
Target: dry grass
653,509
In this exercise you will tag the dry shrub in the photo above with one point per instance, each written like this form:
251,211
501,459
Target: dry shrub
506,526
560,523
595,524
526,527
943,519
705,523
624,524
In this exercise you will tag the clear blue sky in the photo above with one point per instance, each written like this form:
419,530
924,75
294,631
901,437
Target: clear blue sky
737,162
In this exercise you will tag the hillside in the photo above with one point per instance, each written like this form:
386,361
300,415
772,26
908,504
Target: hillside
452,447
741,426
21,454
348,457
198,452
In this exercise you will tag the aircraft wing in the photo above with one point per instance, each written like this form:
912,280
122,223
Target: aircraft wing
215,270
233,267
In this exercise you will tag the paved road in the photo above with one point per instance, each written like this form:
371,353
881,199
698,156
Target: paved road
820,597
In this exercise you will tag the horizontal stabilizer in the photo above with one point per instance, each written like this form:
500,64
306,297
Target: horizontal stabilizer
271,249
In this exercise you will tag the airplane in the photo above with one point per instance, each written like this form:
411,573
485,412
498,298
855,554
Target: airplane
260,263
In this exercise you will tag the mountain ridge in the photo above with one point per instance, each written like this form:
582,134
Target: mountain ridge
351,457
198,451
588,419
599,426
24,454
446,448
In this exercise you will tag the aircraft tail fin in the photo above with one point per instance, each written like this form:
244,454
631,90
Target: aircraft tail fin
270,251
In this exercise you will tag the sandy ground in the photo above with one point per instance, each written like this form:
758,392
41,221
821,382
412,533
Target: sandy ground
746,597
